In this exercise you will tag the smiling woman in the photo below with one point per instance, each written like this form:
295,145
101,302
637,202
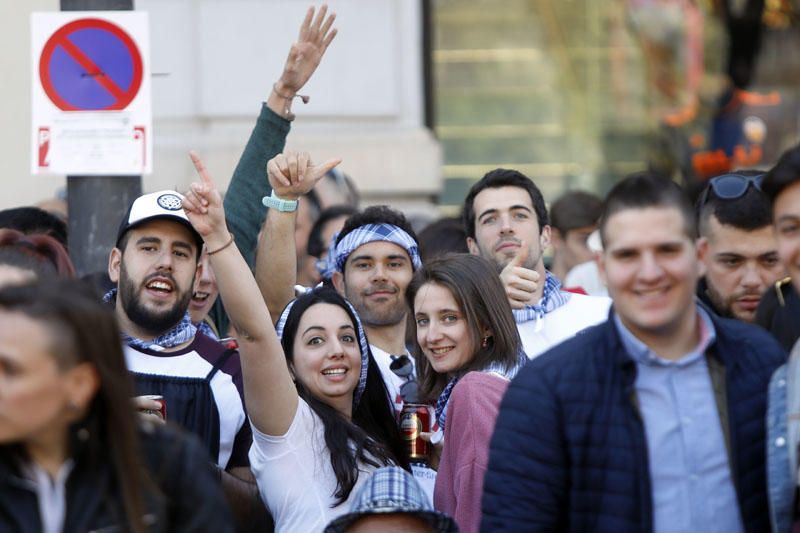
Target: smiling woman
318,407
467,349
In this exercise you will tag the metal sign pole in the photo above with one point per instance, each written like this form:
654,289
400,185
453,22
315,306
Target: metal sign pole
97,203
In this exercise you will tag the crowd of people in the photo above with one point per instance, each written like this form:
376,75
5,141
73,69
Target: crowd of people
244,363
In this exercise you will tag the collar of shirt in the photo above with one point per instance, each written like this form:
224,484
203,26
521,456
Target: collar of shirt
552,298
641,353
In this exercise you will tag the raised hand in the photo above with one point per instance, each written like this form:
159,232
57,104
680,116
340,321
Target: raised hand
304,56
293,174
203,207
520,282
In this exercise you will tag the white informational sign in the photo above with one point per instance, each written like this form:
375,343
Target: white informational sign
91,102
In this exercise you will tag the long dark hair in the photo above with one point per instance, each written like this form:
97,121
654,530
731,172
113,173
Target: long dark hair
83,330
480,296
372,437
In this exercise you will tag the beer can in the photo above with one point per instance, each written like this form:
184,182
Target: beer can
414,419
160,399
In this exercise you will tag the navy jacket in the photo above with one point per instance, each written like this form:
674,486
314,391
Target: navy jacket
569,451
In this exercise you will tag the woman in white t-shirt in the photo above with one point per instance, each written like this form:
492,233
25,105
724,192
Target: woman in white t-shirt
319,409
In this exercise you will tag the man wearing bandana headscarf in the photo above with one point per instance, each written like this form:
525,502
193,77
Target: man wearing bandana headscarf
373,257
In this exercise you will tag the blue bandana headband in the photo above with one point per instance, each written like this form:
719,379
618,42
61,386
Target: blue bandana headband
183,332
371,233
362,342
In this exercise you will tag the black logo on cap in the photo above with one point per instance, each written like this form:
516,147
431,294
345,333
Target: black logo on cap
170,202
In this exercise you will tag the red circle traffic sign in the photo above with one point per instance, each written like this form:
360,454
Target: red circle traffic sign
90,64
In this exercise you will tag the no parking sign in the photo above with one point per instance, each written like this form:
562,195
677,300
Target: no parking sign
91,93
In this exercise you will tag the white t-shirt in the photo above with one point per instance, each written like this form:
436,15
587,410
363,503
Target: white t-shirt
393,381
295,477
555,327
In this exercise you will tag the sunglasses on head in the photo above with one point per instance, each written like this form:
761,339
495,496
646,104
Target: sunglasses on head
731,186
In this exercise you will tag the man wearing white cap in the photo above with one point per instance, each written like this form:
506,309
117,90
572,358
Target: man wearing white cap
154,264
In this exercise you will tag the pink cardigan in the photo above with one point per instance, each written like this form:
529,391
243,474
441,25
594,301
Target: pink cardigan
471,415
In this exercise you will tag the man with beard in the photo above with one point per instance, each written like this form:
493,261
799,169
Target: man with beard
154,265
737,245
506,222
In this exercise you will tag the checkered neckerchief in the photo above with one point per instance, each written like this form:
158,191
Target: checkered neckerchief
552,298
183,332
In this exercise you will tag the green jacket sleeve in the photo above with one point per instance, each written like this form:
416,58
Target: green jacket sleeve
244,211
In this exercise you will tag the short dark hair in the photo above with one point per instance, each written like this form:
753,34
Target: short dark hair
749,212
575,209
481,297
648,189
30,220
502,177
315,246
785,172
377,214
442,236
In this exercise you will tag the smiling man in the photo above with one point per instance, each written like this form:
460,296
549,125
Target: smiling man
737,245
154,265
506,222
651,421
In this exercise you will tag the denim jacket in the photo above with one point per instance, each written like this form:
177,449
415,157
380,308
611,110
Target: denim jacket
783,438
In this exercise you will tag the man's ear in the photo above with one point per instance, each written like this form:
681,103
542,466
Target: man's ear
544,238
472,245
114,264
338,282
702,249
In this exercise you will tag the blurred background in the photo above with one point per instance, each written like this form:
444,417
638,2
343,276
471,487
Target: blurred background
422,97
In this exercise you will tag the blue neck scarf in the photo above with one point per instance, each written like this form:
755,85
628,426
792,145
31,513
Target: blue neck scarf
183,332
552,298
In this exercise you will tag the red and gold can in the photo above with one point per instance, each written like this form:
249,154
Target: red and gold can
160,399
414,419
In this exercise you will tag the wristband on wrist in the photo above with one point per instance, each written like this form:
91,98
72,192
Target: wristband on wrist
230,241
275,202
286,111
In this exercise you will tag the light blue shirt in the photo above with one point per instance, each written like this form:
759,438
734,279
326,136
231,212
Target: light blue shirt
690,474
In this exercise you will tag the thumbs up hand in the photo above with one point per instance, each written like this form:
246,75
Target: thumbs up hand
520,283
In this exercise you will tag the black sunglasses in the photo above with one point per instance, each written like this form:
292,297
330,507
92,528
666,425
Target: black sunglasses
731,186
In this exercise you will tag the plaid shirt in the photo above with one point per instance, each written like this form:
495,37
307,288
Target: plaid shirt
552,298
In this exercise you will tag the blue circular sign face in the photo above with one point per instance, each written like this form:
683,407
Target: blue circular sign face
89,65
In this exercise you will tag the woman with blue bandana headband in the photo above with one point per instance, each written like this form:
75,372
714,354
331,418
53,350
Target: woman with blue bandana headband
318,407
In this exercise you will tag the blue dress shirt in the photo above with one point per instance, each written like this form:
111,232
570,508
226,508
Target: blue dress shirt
689,468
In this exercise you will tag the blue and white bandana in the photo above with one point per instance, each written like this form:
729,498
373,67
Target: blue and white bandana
371,233
183,332
362,343
552,298
496,368
326,267
204,328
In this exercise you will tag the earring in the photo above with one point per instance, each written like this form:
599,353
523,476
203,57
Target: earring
485,343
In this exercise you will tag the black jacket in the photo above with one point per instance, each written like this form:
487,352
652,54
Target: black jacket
569,451
189,496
